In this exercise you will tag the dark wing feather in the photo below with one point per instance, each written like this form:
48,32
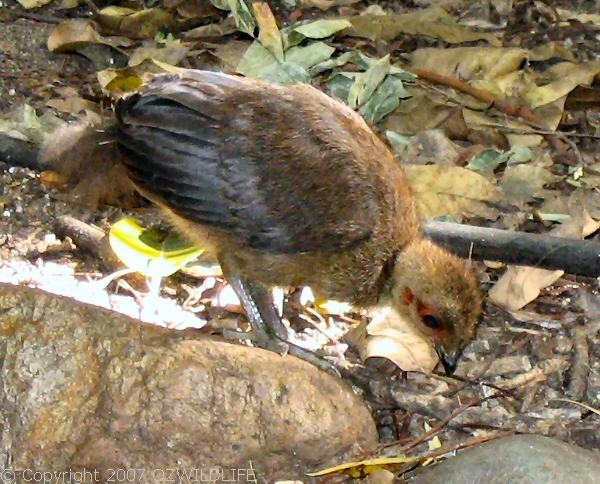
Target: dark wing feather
218,150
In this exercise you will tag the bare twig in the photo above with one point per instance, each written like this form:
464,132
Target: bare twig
493,101
38,17
439,427
579,404
469,443
537,374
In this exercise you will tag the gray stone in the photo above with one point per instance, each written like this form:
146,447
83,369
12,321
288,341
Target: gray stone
521,459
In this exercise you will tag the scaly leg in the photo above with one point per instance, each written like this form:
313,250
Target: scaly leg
268,331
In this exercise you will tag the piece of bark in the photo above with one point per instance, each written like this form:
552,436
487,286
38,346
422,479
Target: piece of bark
83,387
580,366
581,257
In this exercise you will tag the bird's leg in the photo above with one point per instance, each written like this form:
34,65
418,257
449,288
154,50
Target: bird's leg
267,327
268,330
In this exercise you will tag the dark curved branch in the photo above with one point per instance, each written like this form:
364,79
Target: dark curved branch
580,257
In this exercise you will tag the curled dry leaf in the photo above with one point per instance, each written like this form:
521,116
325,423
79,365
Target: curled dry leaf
393,337
74,33
519,286
563,78
28,4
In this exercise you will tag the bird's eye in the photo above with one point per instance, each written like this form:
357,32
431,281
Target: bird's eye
432,322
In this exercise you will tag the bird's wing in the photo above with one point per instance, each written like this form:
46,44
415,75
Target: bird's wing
272,167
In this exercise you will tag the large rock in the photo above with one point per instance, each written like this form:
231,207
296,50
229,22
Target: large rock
85,388
521,459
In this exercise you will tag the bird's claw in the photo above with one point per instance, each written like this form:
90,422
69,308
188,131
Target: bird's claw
283,348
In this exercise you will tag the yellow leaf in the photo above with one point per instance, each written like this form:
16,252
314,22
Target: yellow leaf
268,33
366,467
52,179
148,252
330,306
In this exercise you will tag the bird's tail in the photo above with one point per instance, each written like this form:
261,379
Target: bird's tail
88,160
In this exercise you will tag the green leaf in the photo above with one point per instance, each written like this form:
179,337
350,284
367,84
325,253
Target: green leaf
150,252
384,100
340,84
487,161
259,63
255,60
285,73
365,62
321,29
366,83
244,20
519,154
308,56
332,63
398,141
221,4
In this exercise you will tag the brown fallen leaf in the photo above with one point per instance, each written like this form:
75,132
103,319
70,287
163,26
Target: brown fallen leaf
393,337
170,51
142,24
433,22
325,4
53,179
451,190
523,182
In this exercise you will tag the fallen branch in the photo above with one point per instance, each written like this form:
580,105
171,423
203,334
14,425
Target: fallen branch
89,238
16,152
493,101
580,257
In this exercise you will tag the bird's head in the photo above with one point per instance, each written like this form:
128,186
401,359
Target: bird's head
441,296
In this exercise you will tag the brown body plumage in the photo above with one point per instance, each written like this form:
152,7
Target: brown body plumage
287,187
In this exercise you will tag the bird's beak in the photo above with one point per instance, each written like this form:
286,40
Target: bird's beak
449,359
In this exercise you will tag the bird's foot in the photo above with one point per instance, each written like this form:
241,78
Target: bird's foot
269,342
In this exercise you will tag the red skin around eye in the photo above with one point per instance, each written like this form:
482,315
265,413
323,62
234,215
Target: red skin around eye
423,310
437,334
